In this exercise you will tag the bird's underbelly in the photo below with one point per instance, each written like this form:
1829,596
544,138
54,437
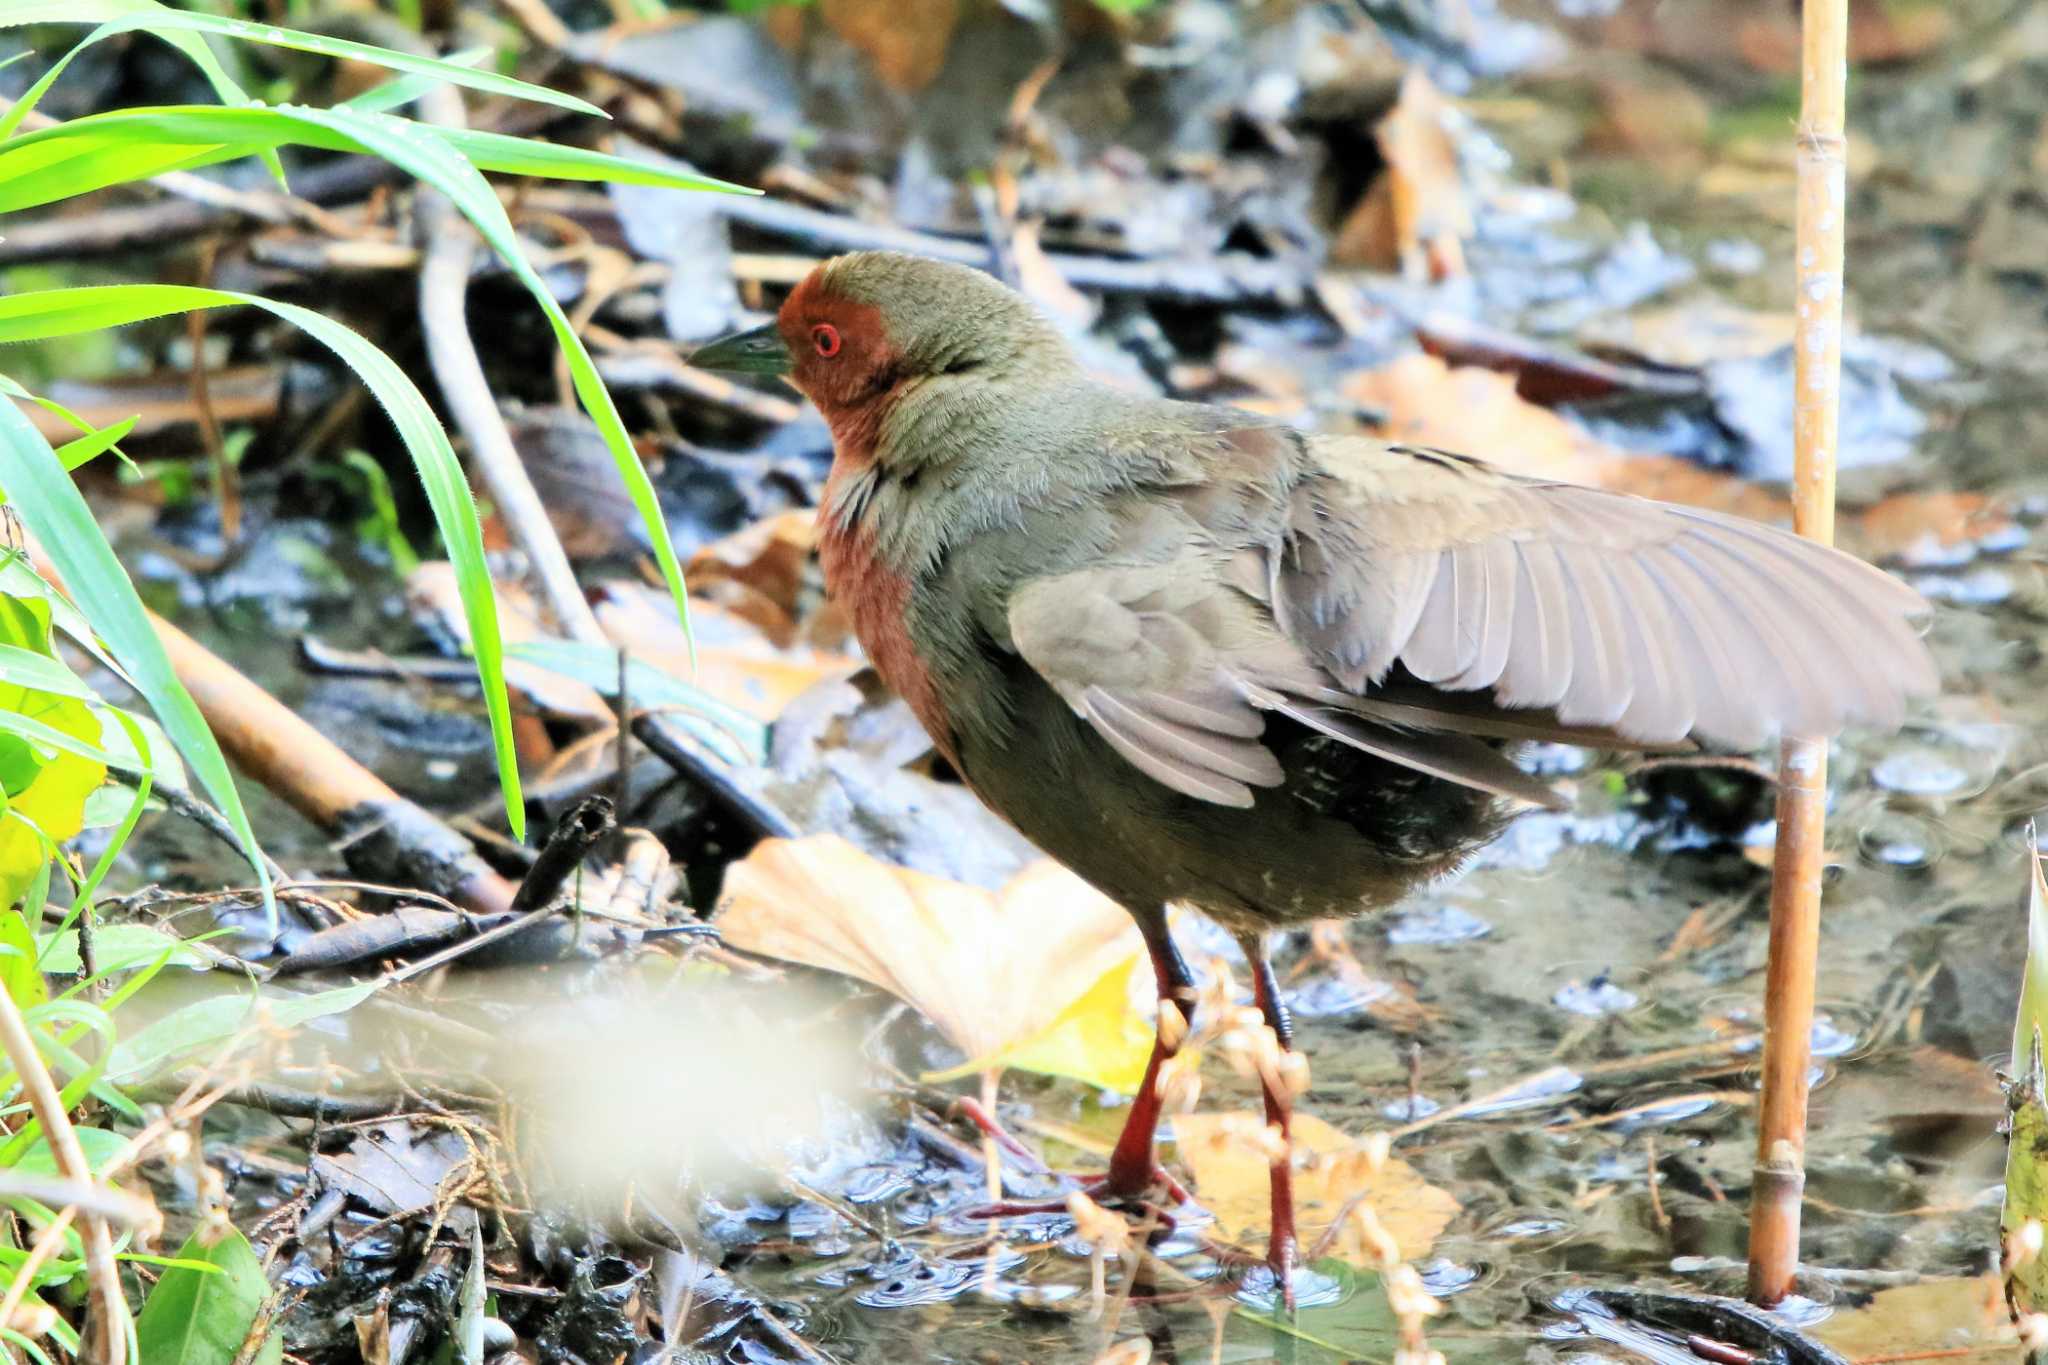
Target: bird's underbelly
1346,835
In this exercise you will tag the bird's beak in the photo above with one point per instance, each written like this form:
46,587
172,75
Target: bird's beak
760,351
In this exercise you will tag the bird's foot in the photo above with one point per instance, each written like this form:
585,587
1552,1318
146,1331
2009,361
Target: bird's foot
1283,1259
1109,1192
973,1111
1284,1296
1120,1188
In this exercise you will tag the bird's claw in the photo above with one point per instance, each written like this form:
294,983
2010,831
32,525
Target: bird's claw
1105,1192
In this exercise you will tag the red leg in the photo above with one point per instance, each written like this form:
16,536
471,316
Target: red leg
1132,1167
1134,1172
1282,1250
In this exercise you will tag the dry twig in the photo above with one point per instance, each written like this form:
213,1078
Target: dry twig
107,1335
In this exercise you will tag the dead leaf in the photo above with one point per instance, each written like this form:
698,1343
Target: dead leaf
991,970
1041,282
1690,334
1416,215
1477,412
1232,1180
394,1168
735,661
1912,524
1765,33
430,590
1932,1316
1666,121
905,39
768,561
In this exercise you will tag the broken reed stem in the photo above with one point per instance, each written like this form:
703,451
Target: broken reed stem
1802,783
106,1335
452,354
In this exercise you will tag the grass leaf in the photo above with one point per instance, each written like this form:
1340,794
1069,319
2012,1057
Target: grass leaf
200,1317
172,25
57,312
41,491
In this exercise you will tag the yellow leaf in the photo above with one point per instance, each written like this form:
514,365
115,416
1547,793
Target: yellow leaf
1231,1179
1098,1038
992,970
54,802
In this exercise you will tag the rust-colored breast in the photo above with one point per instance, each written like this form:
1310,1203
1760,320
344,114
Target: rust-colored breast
877,598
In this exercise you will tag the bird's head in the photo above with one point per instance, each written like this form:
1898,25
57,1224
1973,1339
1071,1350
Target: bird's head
863,332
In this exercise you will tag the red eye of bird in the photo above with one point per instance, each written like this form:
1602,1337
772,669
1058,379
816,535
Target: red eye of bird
826,337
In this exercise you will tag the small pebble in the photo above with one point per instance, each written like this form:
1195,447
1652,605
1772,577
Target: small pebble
1409,1108
1593,999
1918,772
1444,924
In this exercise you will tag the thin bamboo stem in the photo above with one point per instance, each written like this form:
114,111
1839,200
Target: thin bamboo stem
1780,1176
107,1333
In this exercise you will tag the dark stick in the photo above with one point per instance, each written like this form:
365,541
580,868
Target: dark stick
764,820
565,850
199,813
622,759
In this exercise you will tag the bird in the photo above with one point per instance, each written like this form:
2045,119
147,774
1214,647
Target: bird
1205,658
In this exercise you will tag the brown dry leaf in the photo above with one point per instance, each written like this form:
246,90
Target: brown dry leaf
735,661
1908,522
1689,335
988,969
905,39
1041,281
1665,120
1965,1316
1765,33
769,559
1231,1177
1416,215
1477,412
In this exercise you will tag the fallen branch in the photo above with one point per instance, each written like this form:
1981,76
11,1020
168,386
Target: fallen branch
443,293
200,814
383,836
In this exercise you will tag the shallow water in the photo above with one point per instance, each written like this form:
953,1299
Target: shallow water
1591,986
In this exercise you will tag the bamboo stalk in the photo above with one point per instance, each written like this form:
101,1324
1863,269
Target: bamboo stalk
1780,1176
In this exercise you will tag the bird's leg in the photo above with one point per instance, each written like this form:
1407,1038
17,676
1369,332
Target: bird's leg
1282,1251
1133,1169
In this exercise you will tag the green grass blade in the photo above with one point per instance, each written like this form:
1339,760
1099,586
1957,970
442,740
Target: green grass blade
396,94
165,22
2026,1155
41,491
57,312
92,444
436,163
193,45
524,156
122,145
